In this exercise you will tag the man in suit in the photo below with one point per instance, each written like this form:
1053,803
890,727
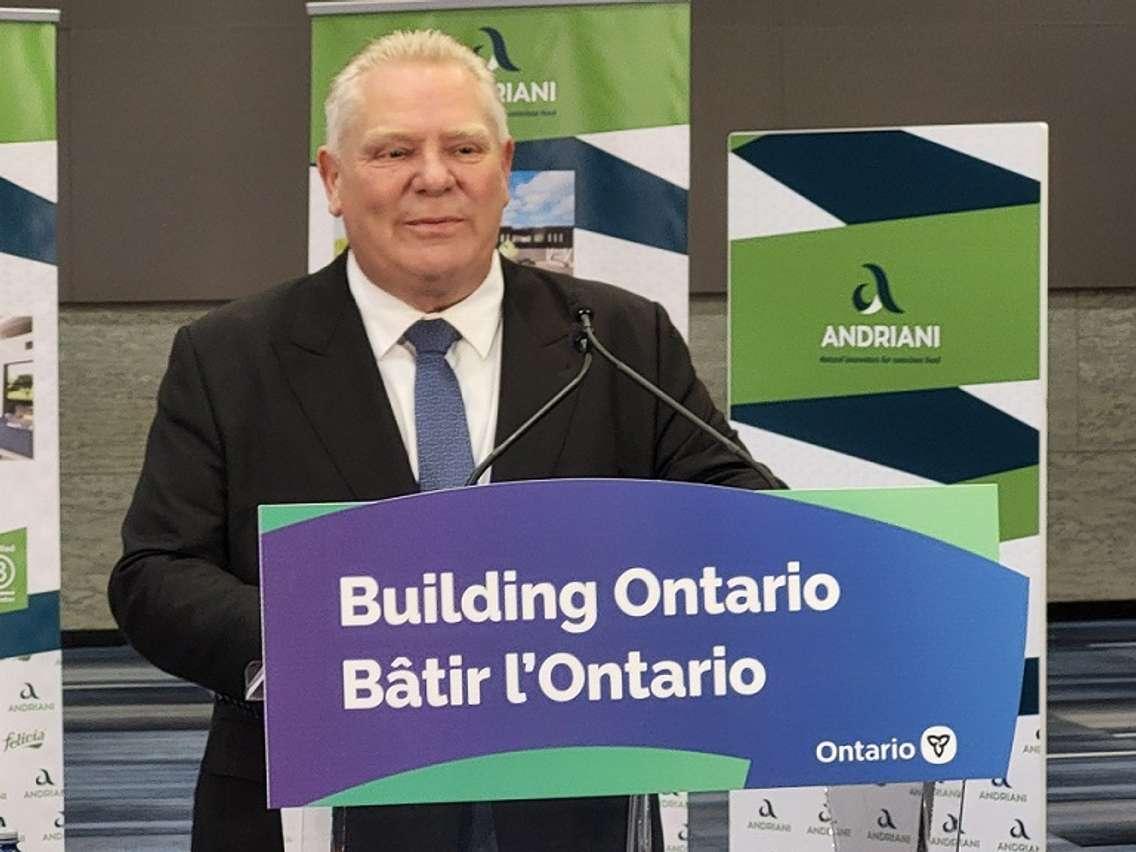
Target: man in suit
323,389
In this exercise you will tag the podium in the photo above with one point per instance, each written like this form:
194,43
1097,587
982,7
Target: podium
575,638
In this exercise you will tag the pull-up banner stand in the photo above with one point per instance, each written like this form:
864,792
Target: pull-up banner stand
887,328
597,97
574,638
31,705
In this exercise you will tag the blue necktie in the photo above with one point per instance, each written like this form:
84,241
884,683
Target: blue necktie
445,460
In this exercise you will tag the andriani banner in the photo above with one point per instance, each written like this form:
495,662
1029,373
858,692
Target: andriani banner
597,98
31,751
887,327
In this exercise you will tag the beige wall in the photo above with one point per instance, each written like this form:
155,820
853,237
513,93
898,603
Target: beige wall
112,358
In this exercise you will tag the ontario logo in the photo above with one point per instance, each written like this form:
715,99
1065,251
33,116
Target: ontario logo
879,335
937,744
513,91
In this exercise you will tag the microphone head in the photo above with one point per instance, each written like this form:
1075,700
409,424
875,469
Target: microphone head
584,316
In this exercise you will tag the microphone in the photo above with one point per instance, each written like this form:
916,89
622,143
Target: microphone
580,343
584,316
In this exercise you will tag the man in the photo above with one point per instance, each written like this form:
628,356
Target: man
333,387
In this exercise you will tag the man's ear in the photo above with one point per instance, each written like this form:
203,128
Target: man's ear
508,147
328,165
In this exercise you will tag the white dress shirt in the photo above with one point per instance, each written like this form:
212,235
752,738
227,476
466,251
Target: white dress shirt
475,358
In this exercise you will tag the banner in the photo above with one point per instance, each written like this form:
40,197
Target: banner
887,327
691,637
597,99
31,705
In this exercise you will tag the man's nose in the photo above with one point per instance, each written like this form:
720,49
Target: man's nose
434,174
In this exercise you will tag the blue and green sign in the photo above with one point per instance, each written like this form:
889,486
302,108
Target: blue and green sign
593,637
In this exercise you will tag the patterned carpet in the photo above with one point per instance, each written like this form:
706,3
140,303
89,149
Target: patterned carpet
134,736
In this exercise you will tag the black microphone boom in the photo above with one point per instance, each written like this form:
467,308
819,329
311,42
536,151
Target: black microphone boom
556,399
584,315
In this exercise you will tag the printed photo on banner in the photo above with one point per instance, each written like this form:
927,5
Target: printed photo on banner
536,229
17,415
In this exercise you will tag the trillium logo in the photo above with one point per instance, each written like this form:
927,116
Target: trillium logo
938,744
882,297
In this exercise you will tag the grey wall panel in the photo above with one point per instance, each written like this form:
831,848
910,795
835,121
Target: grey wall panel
189,162
183,148
736,84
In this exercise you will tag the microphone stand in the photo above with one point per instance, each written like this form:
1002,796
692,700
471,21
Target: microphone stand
584,315
558,397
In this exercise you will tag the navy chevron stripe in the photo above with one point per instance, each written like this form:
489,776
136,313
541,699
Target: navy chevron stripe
945,435
27,223
876,175
1030,701
613,197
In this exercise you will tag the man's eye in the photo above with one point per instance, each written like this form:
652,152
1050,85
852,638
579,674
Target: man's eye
468,150
395,153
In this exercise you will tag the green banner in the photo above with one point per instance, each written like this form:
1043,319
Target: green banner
27,86
546,62
947,277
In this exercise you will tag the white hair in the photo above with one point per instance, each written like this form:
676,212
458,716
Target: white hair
427,46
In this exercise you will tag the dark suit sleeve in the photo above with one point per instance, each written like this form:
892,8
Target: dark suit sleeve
683,452
171,592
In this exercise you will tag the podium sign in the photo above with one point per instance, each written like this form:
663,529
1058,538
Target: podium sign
596,637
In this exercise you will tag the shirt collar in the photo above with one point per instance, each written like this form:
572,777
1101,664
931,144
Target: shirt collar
476,317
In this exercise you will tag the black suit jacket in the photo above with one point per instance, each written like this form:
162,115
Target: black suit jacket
277,399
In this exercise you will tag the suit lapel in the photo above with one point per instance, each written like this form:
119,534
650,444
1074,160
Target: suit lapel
328,361
537,360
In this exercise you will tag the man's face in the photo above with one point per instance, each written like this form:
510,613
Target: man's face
421,179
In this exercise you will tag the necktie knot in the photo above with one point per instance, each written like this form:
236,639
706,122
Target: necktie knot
434,336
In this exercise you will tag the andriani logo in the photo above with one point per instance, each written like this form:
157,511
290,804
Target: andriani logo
881,335
512,91
30,701
499,57
882,297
